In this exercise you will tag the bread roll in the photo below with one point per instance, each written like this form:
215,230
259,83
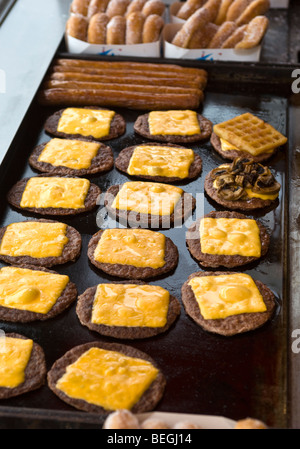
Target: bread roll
202,37
77,27
80,7
197,21
152,28
188,8
117,8
134,28
97,6
256,8
116,30
254,32
236,9
97,28
153,7
221,17
225,30
235,37
135,5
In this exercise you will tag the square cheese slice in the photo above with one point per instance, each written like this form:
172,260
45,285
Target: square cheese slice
148,198
15,354
174,123
130,305
137,247
66,193
86,122
34,239
230,236
30,290
108,379
150,160
226,295
74,154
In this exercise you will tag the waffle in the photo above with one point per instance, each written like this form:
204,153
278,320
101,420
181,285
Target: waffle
250,133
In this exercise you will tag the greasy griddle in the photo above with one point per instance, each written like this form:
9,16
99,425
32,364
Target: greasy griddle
238,376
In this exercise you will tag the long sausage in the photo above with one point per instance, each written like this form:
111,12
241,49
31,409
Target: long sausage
113,98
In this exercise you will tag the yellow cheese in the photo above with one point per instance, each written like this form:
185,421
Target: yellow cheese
74,154
30,290
15,354
161,161
43,192
87,122
262,196
107,379
227,146
226,295
130,305
175,123
137,247
230,236
147,198
34,239
252,194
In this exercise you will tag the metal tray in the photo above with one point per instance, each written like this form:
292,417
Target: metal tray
244,375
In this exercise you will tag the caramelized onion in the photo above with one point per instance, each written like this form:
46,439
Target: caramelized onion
231,180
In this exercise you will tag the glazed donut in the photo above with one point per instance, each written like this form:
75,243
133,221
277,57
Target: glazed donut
152,28
197,21
225,30
135,5
77,27
235,37
202,37
188,8
117,8
115,31
236,9
134,28
221,17
256,8
97,6
212,6
254,32
80,7
97,28
153,7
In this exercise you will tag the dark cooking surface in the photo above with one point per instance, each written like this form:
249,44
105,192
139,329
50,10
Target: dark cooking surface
207,374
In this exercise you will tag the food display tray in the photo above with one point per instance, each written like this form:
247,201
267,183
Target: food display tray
281,43
207,374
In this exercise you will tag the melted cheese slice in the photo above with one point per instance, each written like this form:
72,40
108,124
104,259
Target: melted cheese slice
147,198
130,305
227,146
86,122
252,194
230,236
226,295
34,239
137,247
161,161
262,196
175,123
74,154
43,192
108,379
30,290
15,354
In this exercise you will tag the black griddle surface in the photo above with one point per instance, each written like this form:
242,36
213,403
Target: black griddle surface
238,376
